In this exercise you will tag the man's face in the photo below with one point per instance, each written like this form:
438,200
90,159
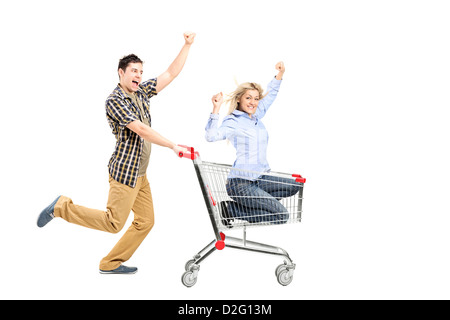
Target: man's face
131,77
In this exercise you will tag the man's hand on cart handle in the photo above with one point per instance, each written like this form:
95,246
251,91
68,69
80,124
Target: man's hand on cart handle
180,150
188,152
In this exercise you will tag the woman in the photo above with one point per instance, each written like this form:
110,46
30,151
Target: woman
255,194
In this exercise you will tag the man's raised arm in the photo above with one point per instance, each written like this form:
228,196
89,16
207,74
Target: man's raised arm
177,65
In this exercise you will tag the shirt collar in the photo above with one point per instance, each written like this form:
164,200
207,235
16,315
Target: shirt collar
240,113
120,92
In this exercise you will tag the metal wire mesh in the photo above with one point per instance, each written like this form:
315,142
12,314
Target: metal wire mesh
272,199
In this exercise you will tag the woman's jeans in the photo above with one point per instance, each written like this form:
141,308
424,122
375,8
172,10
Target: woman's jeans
257,201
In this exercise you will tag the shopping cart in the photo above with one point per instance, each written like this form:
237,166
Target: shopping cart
230,210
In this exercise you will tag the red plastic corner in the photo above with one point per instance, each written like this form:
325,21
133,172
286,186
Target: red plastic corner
220,244
299,178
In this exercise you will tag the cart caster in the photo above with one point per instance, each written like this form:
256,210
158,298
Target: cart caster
279,269
188,279
188,264
284,277
285,273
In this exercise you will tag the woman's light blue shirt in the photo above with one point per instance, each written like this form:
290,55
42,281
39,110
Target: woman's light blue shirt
248,136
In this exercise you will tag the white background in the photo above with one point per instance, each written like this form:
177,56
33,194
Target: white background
362,114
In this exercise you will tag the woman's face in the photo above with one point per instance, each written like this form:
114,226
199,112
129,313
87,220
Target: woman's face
249,101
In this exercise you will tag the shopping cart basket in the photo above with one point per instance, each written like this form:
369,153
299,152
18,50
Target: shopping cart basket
230,209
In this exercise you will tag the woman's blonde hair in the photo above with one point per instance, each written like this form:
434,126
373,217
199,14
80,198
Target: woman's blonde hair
234,97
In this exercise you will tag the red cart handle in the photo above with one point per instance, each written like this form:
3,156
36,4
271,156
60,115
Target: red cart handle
190,154
299,178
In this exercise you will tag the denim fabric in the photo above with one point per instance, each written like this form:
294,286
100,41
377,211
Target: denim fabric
257,201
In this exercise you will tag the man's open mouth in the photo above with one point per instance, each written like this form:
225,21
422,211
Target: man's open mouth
135,82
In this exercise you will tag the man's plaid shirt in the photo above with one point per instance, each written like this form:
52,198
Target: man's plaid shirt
120,111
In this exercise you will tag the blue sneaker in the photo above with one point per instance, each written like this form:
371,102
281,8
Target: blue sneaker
120,270
47,214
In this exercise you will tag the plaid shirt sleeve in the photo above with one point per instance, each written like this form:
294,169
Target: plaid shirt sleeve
120,112
149,87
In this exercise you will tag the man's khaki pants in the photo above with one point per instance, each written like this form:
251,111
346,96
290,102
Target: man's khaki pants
122,199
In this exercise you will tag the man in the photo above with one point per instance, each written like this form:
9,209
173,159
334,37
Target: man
128,114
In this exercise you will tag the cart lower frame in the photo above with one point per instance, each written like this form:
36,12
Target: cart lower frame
284,272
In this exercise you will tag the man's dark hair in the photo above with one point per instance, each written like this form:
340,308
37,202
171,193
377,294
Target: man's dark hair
131,58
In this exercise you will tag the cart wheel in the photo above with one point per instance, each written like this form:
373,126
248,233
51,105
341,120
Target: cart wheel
188,264
188,279
279,268
283,277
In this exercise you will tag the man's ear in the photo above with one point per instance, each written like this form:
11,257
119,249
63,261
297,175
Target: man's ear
121,73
